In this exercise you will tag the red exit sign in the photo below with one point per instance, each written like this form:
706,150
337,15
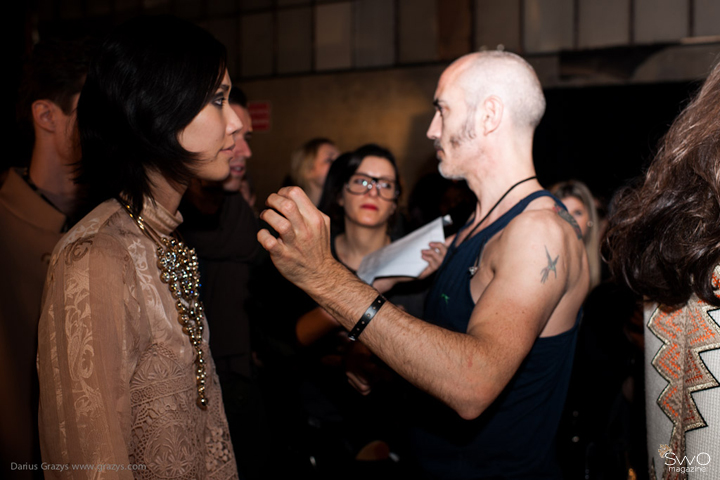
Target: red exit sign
260,115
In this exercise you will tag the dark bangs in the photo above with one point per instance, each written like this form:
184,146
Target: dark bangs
152,76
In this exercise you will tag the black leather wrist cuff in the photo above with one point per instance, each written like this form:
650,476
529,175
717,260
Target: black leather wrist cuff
367,316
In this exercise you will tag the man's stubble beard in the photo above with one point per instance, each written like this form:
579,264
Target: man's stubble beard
456,142
448,176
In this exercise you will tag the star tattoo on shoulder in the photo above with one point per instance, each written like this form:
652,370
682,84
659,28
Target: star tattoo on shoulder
565,215
552,267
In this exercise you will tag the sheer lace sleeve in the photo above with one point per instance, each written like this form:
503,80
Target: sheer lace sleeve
89,343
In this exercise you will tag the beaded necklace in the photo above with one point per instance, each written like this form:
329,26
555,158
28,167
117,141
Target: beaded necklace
178,266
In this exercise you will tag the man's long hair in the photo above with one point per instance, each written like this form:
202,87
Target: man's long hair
664,235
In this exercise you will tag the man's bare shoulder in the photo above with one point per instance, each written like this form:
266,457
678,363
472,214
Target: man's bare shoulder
544,238
536,268
550,222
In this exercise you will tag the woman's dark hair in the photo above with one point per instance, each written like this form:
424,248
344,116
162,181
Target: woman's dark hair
663,237
151,77
339,174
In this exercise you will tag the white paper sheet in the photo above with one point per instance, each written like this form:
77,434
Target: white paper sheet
402,257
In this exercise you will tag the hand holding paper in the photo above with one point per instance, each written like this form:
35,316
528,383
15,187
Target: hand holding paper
403,258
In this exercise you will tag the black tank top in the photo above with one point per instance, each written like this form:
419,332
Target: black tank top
514,437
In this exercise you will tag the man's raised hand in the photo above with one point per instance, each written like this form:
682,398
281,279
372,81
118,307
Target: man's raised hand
303,247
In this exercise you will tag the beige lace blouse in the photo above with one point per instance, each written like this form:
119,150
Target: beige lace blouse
117,382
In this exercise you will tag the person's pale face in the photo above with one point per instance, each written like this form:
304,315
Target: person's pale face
451,130
326,155
241,152
370,209
210,135
578,210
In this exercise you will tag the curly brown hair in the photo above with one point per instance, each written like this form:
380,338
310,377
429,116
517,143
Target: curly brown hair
663,238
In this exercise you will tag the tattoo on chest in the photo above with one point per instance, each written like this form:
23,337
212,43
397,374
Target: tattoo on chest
565,215
552,267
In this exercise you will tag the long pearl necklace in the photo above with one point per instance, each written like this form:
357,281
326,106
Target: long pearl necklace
178,266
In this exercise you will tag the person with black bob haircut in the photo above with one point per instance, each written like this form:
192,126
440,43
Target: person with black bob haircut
126,375
141,91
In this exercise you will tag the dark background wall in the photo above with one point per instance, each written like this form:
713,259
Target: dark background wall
604,135
615,72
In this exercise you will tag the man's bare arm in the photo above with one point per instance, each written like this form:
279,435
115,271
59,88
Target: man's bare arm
465,370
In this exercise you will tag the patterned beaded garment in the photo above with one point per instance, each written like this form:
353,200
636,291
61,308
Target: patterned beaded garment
178,266
686,335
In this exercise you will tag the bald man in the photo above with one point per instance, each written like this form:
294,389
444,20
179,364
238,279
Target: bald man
494,351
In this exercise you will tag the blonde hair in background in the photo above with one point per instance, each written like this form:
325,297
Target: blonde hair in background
577,189
301,161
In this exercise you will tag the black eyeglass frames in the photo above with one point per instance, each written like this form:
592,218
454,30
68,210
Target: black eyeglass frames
360,184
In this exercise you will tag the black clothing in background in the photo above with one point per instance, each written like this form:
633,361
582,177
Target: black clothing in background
226,244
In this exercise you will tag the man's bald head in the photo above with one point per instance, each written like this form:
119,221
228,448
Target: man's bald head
504,75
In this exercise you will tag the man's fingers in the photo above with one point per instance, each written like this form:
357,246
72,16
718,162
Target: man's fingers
312,216
302,246
268,242
285,191
286,207
281,224
296,207
301,200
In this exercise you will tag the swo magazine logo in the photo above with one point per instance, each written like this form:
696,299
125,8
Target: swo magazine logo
696,463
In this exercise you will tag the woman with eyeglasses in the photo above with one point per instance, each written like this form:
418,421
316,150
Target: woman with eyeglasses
361,197
361,201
